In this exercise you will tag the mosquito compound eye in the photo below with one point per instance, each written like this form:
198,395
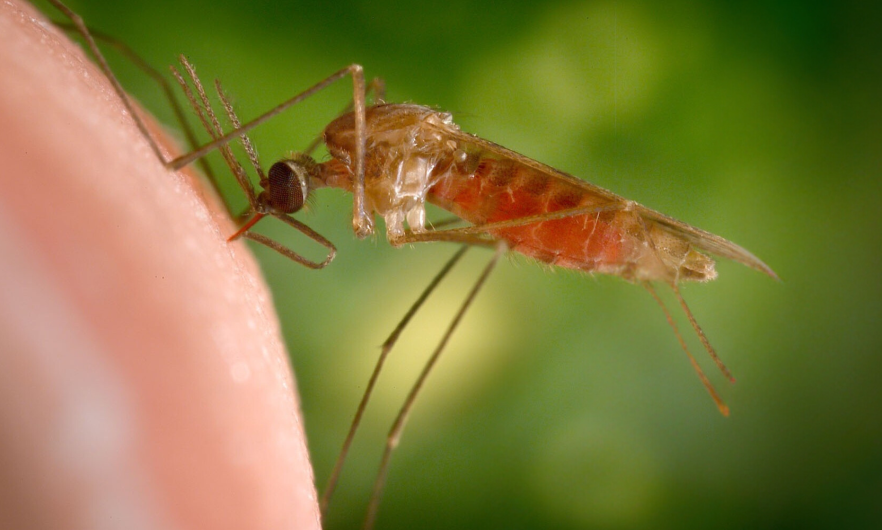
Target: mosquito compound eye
287,186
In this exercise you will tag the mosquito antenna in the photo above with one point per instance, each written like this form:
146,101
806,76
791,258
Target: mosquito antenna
188,92
245,183
724,409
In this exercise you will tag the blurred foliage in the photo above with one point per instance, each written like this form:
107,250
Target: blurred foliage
564,401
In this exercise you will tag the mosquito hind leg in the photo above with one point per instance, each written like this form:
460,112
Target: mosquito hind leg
701,336
449,236
388,344
397,428
724,409
673,283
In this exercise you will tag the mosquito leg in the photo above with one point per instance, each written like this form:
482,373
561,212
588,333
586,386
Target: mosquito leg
441,223
102,64
480,234
255,162
353,70
377,87
157,77
287,252
384,352
310,233
724,409
698,331
210,122
470,234
398,426
449,236
362,222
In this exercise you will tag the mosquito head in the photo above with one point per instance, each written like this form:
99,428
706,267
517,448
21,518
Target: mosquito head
286,185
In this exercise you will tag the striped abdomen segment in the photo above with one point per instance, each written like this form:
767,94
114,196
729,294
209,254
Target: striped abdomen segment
485,189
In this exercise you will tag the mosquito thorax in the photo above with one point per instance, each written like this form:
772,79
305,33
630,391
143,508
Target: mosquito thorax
386,124
286,186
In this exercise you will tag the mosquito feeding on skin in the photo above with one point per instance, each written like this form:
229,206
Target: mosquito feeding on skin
396,158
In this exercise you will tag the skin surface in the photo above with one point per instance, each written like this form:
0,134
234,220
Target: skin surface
143,381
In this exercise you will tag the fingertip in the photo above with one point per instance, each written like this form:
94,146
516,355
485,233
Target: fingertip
146,380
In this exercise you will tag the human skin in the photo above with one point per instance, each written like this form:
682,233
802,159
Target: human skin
143,380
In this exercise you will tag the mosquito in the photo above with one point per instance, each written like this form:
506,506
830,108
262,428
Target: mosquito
395,158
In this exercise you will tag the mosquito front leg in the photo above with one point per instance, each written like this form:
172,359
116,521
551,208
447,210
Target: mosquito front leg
362,223
102,64
354,70
290,254
158,78
258,208
361,220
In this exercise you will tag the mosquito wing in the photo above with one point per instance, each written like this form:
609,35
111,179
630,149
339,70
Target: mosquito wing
697,237
706,241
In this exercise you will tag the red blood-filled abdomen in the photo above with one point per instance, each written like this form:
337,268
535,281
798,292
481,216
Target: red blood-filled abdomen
501,190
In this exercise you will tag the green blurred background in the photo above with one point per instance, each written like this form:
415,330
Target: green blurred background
564,401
